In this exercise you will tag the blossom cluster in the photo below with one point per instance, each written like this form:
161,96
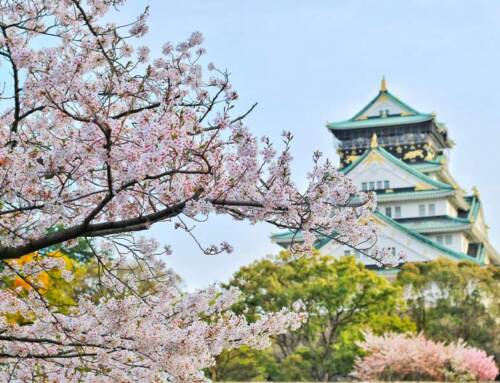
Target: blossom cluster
407,357
123,336
100,141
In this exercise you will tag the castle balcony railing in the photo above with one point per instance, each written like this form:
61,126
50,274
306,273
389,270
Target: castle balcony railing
404,139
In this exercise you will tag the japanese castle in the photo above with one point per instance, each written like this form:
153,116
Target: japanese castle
399,153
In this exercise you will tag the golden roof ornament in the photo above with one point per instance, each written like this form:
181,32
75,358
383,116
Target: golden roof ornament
374,141
475,192
383,85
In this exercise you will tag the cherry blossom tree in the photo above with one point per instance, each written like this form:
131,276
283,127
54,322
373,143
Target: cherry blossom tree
99,141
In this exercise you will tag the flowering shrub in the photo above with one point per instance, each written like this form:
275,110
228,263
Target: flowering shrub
409,357
474,361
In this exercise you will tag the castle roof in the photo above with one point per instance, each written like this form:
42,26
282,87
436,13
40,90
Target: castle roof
415,227
383,110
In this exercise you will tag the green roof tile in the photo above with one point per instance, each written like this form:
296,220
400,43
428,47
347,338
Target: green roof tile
428,241
413,195
375,122
440,224
402,114
427,166
475,206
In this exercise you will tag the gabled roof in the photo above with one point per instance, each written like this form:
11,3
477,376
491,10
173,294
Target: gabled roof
378,150
384,109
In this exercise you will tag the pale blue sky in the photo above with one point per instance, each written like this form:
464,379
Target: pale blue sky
308,62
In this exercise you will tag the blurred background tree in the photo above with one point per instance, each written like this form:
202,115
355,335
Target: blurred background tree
450,301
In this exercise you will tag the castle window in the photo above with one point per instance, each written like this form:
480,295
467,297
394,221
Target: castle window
439,239
421,210
432,209
375,185
397,212
448,239
388,211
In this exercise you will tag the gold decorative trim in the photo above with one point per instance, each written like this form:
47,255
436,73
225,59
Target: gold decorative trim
475,192
422,186
383,85
414,154
351,158
374,157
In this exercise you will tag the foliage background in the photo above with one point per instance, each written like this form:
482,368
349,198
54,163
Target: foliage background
343,299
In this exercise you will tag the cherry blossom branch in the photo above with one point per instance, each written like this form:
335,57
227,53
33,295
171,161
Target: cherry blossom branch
98,140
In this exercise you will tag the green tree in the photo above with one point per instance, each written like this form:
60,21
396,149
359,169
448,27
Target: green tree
342,299
450,301
242,364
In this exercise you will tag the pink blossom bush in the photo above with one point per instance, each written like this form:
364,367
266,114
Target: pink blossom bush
474,361
399,357
413,357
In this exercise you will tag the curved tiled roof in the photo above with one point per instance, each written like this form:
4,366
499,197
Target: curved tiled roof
375,122
403,165
400,113
426,240
286,237
436,224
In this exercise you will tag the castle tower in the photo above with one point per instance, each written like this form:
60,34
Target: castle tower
405,133
392,149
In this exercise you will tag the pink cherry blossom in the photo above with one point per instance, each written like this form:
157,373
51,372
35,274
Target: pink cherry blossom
98,142
413,357
100,145
126,337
